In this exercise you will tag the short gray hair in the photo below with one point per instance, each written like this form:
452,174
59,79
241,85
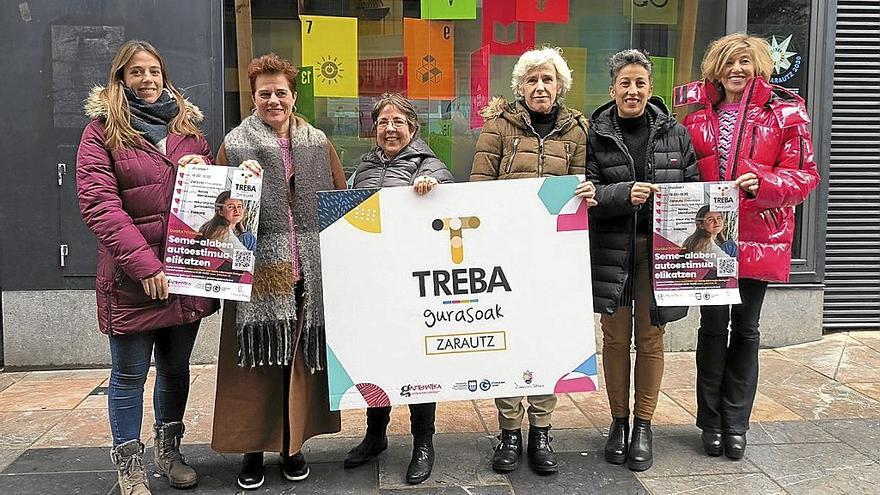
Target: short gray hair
533,58
628,57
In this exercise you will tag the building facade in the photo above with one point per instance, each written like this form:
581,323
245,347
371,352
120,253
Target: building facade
826,51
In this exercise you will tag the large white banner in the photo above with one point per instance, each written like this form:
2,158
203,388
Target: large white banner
475,290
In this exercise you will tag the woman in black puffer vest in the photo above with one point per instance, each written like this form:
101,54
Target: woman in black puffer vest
633,143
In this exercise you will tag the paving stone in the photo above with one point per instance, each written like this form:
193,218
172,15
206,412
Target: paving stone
460,460
35,461
449,490
577,441
684,456
716,484
8,456
778,432
578,473
218,474
817,467
97,483
861,434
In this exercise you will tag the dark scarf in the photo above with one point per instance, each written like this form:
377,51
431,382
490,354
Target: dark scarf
265,326
152,119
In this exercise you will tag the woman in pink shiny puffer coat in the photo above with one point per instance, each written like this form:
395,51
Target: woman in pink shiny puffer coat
757,135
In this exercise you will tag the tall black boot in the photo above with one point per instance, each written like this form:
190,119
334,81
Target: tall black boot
422,461
507,453
641,447
618,441
541,455
375,441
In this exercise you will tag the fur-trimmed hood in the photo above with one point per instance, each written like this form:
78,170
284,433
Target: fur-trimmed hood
97,107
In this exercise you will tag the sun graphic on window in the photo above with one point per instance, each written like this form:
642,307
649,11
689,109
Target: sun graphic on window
330,70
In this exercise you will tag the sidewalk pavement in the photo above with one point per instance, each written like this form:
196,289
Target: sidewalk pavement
816,429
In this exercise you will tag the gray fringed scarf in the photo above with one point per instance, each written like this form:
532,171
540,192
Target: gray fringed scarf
265,326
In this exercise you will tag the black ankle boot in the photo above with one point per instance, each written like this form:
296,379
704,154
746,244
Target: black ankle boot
618,441
374,443
641,447
252,474
734,446
711,443
422,460
507,452
541,456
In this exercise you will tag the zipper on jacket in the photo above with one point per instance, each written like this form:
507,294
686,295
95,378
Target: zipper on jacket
568,154
744,111
512,155
801,148
754,140
541,145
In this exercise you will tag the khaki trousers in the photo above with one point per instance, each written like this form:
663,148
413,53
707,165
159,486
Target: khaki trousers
617,332
511,411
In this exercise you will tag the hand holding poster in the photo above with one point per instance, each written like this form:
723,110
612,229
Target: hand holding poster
476,290
209,248
695,252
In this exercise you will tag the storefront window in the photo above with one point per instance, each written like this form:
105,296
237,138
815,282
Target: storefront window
786,25
674,32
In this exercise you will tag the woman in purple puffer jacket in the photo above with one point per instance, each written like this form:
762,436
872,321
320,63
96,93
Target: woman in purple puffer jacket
141,131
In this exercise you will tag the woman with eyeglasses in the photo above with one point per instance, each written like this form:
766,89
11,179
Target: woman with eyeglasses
401,158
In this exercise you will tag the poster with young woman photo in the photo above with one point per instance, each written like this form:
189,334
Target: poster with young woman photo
694,253
212,232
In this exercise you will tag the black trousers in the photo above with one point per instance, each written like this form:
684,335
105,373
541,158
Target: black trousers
421,418
727,368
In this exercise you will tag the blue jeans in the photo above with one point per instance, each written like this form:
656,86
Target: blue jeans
130,356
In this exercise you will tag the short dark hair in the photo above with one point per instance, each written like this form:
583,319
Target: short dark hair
627,57
400,102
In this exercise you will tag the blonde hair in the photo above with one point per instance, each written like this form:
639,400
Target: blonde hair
725,48
118,130
533,58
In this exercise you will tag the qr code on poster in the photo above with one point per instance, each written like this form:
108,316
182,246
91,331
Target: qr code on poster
243,260
726,267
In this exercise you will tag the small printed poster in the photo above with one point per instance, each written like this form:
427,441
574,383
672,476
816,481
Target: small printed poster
479,85
554,11
429,49
501,30
449,9
382,75
330,45
695,254
651,11
305,93
577,61
447,285
212,232
664,78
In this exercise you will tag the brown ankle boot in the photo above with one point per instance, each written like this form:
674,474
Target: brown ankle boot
169,461
129,460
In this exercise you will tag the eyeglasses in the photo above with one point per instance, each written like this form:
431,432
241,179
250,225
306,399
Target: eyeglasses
383,124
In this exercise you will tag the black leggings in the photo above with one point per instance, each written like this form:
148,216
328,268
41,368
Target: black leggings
727,370
421,418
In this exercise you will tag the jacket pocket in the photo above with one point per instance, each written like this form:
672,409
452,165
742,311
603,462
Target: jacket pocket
512,155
